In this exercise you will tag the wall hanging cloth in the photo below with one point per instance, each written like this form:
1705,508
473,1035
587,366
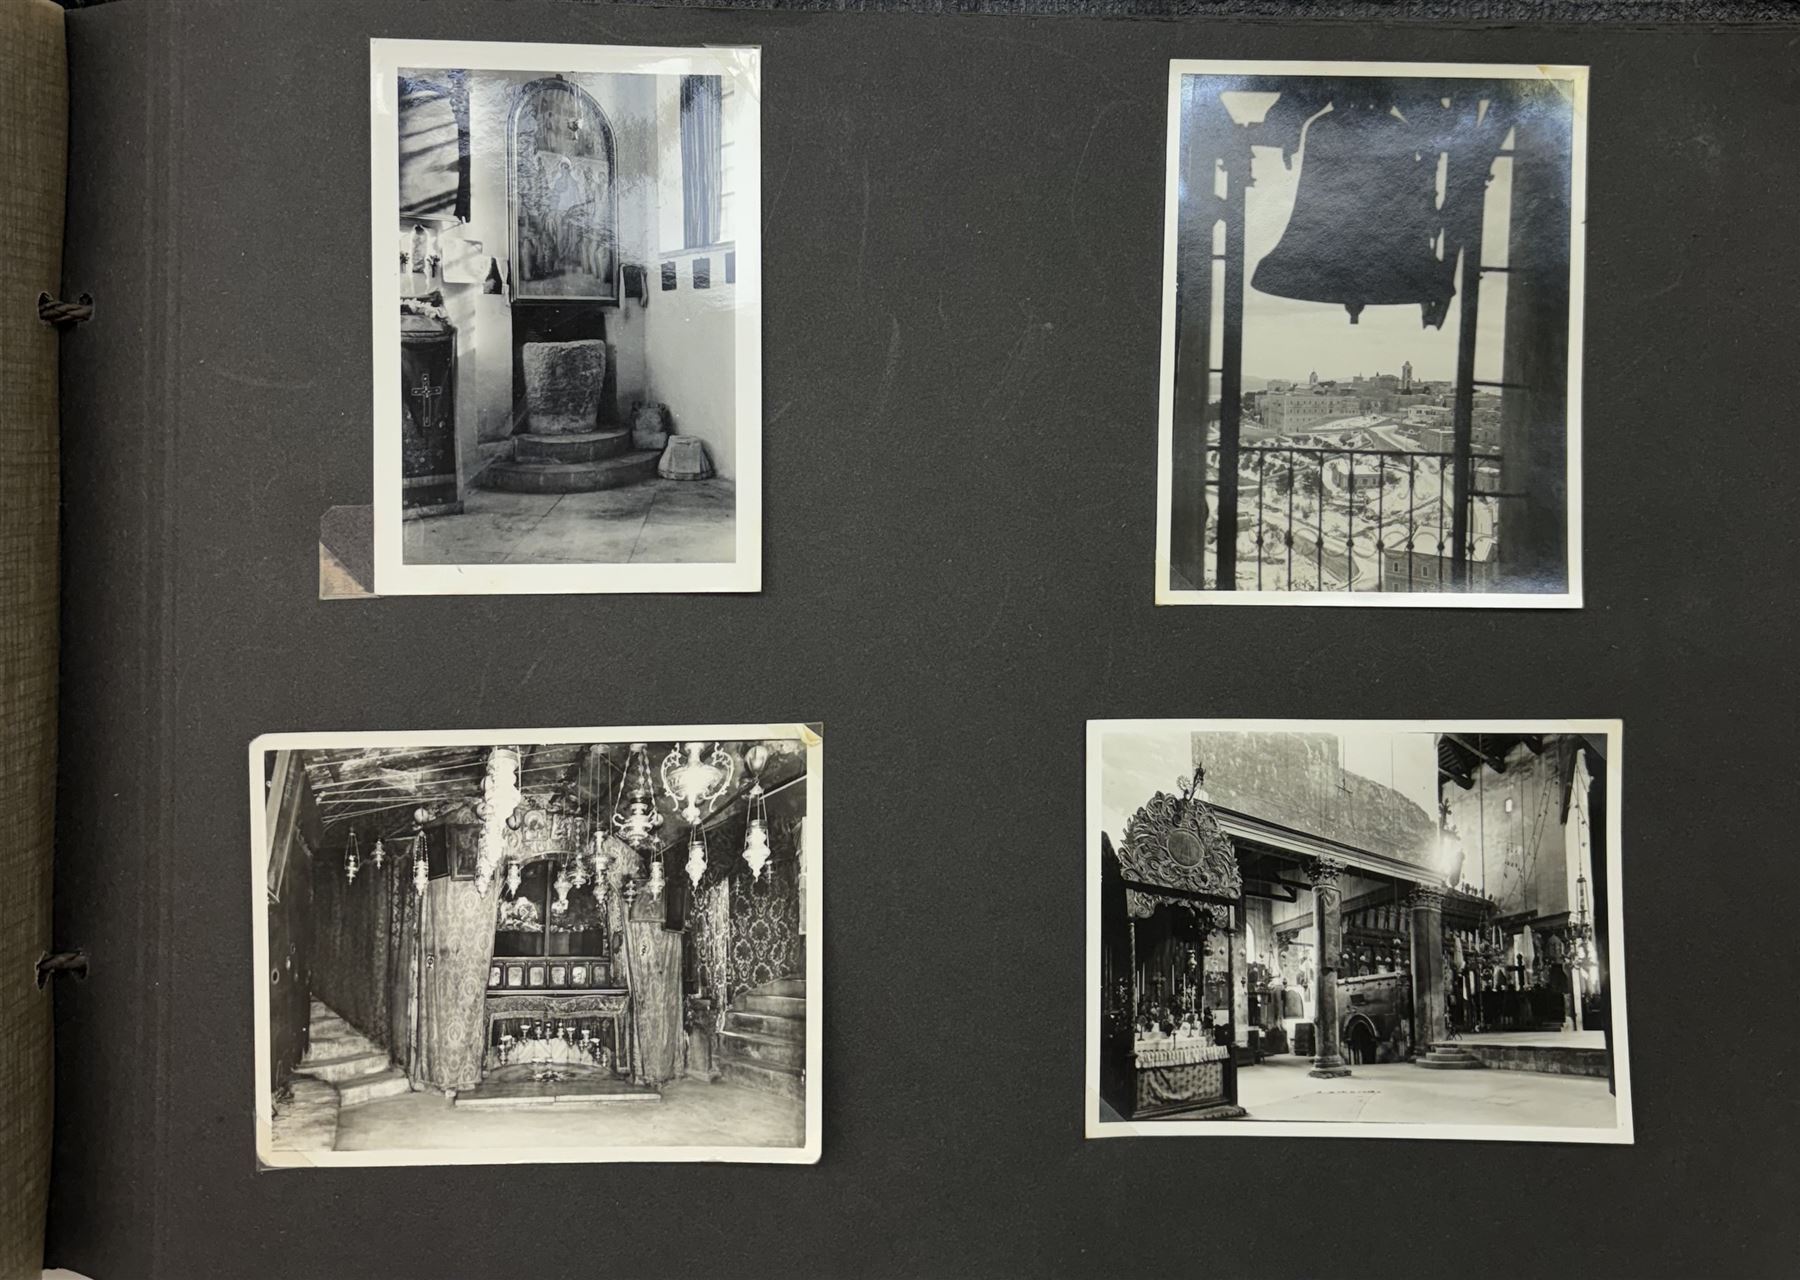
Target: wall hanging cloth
457,941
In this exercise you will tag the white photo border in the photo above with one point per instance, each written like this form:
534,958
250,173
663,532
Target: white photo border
1620,1134
813,834
1569,599
742,69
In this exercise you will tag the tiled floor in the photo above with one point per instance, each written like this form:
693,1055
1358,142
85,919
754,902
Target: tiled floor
657,522
691,1113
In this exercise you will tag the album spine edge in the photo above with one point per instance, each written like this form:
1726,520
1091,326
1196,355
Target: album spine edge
34,117
119,425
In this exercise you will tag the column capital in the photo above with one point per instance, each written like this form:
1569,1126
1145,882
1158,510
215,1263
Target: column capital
1324,872
1429,896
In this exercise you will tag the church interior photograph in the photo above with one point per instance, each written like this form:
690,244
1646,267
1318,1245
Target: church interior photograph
576,310
573,949
1356,928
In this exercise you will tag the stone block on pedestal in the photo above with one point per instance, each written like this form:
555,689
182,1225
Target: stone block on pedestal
563,385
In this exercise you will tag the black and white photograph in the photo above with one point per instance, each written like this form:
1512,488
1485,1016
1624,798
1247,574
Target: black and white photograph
1371,350
1316,928
567,302
538,946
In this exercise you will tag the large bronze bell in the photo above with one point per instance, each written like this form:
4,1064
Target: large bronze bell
1364,226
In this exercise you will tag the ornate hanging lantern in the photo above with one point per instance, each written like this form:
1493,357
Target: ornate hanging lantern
696,859
352,863
756,813
637,819
694,778
379,854
562,884
515,876
655,887
421,865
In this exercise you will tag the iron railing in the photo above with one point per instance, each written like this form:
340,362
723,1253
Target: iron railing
1431,517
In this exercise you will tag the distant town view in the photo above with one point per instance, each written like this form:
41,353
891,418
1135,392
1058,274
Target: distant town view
1346,484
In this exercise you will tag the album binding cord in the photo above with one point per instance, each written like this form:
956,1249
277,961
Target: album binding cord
33,137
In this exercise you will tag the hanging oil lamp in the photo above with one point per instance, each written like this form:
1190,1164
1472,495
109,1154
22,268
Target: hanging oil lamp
352,864
379,854
562,885
637,819
421,867
694,777
696,859
756,813
655,887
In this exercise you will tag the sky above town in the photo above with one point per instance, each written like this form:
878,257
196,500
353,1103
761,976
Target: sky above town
1287,339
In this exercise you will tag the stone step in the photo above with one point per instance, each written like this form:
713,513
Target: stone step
308,1119
345,1067
765,1077
587,446
765,1024
570,477
1449,1064
784,987
369,1088
780,1006
748,1044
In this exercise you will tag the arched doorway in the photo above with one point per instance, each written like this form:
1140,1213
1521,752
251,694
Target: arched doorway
1361,1044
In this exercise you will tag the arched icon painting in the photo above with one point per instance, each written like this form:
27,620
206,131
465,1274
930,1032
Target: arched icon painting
1371,359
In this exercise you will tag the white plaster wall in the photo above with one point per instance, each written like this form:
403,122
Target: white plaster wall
692,332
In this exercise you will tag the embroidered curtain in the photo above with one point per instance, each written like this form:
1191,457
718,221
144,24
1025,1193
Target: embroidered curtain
702,159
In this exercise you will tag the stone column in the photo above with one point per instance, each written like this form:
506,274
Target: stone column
1429,1019
1328,925
1240,985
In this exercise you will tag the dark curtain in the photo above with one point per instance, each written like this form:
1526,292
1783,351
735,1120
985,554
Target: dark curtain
701,159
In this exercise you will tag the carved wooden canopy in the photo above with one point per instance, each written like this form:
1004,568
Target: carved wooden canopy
1175,843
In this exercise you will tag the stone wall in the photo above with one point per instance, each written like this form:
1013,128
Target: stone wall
1516,857
1297,780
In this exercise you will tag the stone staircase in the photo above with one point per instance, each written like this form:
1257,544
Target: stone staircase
763,1044
573,463
1450,1057
340,1055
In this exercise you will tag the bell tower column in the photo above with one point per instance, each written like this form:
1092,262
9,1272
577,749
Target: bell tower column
1328,924
1427,903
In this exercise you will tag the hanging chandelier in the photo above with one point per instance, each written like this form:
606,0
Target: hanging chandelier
694,778
500,797
637,818
352,864
756,813
696,860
